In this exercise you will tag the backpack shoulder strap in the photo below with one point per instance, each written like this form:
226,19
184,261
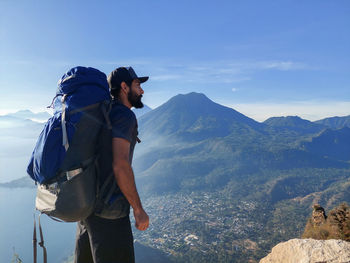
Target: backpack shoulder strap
106,107
63,124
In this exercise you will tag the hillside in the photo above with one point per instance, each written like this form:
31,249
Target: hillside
335,122
231,180
334,144
223,145
215,182
142,111
192,117
294,123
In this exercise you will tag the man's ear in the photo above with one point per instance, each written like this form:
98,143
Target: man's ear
124,87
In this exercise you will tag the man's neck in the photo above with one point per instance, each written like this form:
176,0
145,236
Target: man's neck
125,102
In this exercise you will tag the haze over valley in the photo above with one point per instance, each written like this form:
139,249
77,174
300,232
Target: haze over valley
218,185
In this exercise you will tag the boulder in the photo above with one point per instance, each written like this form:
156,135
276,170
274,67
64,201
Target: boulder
309,251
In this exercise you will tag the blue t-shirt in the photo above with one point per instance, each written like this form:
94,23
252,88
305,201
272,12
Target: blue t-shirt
124,125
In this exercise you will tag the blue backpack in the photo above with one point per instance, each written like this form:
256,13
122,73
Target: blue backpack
63,163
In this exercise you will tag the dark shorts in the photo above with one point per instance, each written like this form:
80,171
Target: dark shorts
102,240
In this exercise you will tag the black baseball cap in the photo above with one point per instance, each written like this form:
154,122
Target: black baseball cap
126,74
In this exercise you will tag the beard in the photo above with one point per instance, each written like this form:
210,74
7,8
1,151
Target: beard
135,100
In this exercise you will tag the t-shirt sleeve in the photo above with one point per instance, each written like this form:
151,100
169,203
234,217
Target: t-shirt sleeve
123,124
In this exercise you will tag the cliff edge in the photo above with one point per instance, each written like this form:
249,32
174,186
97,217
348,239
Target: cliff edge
309,251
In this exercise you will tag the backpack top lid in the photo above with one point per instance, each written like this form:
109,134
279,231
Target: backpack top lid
79,76
83,86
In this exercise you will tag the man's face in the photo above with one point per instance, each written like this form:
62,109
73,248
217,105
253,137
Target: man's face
135,94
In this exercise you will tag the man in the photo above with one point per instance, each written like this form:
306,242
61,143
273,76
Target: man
101,240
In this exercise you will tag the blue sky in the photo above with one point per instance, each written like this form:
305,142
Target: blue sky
262,58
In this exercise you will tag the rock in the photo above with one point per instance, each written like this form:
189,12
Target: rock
318,215
309,251
334,226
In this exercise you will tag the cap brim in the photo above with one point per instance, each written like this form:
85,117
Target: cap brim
143,79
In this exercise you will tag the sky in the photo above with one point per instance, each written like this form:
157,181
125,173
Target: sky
263,58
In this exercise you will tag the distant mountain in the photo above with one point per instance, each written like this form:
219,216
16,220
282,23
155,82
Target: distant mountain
27,114
193,117
335,122
221,187
243,179
18,127
331,143
142,111
25,182
10,121
197,141
22,124
17,140
294,123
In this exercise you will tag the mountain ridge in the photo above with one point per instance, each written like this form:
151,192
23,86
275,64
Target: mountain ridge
205,170
295,123
335,122
28,114
193,116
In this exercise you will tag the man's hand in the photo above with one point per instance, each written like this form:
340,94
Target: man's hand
141,219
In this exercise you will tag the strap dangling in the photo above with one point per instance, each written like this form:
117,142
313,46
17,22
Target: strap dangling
34,243
41,243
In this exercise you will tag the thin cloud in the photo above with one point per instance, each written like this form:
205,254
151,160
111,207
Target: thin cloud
282,65
165,77
194,72
214,71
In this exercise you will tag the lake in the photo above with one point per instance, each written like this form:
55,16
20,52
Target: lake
16,229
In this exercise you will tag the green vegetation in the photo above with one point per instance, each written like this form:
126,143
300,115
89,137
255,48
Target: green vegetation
241,189
334,226
243,219
220,187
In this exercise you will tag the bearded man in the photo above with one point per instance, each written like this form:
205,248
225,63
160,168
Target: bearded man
100,238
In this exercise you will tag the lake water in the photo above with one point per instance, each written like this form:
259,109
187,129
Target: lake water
14,157
16,229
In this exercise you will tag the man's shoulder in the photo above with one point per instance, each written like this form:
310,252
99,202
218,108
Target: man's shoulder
120,111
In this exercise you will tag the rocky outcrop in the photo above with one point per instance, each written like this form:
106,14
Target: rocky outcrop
334,226
318,215
309,251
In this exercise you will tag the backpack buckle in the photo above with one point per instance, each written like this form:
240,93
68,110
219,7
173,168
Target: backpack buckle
70,174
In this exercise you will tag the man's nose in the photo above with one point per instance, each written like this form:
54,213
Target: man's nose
142,90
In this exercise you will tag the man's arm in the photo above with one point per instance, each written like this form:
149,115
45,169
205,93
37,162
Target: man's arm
126,181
